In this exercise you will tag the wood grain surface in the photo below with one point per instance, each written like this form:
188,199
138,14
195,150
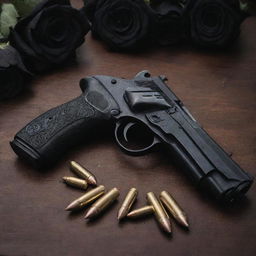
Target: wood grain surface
220,90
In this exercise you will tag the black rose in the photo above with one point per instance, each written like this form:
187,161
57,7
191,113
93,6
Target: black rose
215,23
13,74
49,36
171,23
122,24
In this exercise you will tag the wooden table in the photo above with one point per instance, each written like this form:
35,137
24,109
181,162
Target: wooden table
220,90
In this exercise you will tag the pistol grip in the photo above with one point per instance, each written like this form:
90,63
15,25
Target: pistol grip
47,137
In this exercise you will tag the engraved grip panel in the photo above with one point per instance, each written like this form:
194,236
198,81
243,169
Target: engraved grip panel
48,136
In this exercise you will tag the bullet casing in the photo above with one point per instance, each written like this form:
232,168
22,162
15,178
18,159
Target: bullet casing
102,203
160,213
83,173
173,207
75,182
140,212
86,198
127,203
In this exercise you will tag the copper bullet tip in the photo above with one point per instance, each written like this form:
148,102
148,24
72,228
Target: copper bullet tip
71,206
129,214
91,180
173,207
121,213
92,212
166,225
184,222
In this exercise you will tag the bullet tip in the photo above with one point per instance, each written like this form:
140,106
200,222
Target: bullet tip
168,229
121,214
92,180
183,221
71,206
68,208
92,212
129,215
166,225
186,225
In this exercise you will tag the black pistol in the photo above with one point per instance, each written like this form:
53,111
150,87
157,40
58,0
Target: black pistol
143,107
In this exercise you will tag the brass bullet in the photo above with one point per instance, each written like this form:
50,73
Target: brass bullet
173,207
128,202
102,203
83,173
140,212
86,198
75,182
160,213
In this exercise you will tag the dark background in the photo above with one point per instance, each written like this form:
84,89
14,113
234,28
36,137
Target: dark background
218,88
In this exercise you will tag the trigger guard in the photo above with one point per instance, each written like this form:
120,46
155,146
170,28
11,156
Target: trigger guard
133,152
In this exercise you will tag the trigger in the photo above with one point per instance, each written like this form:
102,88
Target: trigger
122,139
126,129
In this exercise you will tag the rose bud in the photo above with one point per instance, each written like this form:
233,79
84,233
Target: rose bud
215,23
13,74
49,36
171,24
122,24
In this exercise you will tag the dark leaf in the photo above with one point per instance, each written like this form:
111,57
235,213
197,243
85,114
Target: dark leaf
14,76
